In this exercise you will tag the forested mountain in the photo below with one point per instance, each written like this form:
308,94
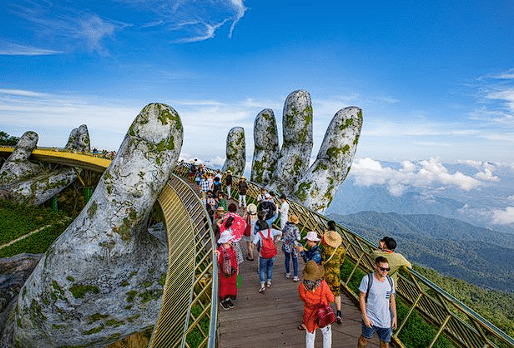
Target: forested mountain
480,256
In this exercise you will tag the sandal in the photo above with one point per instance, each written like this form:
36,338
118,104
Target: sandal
301,327
249,259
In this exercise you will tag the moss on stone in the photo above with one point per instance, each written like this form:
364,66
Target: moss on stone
130,295
128,307
150,295
147,284
114,322
297,167
96,317
57,327
79,291
301,193
162,279
320,166
125,283
132,318
35,312
93,330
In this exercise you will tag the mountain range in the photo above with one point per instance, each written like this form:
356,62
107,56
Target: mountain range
452,247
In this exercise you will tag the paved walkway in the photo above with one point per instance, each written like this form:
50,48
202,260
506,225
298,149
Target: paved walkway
271,319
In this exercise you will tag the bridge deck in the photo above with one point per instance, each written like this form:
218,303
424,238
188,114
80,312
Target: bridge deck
271,319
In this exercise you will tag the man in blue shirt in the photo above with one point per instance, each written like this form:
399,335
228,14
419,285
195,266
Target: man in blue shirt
313,253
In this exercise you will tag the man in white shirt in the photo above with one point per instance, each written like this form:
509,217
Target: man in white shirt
377,305
284,211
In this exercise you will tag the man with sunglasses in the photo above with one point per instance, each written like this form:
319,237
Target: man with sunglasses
377,304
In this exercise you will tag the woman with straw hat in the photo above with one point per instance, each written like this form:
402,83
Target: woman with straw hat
332,258
250,219
313,291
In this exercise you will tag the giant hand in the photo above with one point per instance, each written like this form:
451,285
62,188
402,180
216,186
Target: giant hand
287,171
102,279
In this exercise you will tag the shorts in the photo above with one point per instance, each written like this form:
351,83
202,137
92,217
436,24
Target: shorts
383,333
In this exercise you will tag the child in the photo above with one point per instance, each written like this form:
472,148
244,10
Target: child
228,270
265,263
313,253
313,291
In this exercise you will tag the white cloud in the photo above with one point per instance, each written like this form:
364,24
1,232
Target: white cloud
503,216
10,49
510,198
424,174
487,175
94,29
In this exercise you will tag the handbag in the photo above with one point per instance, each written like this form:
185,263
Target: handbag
248,228
325,315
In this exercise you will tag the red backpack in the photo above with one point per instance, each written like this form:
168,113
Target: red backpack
268,249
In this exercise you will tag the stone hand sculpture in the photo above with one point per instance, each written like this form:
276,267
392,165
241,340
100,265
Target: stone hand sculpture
287,170
29,183
102,279
236,151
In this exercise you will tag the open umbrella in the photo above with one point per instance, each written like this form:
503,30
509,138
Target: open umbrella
238,226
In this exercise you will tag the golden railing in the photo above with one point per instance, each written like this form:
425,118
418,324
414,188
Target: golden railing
191,286
463,326
188,315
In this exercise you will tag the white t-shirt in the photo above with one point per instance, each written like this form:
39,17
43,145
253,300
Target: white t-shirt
378,308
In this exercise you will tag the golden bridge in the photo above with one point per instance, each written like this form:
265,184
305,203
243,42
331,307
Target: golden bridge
189,312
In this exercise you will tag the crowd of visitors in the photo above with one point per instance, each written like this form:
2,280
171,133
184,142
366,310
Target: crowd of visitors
323,255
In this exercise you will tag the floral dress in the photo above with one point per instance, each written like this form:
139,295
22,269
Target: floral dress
291,236
333,267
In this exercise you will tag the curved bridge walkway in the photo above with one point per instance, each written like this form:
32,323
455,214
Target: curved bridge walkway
271,319
188,316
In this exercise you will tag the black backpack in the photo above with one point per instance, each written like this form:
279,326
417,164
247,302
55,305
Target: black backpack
370,282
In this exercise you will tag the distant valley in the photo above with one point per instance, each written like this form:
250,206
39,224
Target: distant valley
452,247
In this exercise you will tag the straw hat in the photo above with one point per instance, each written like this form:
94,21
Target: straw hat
226,236
313,271
229,172
332,238
293,218
243,177
251,209
312,236
220,208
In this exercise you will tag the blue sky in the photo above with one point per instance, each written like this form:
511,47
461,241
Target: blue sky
435,79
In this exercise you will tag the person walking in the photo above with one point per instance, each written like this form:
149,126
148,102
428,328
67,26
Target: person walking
290,238
284,211
377,304
243,188
313,291
332,258
228,183
264,239
228,270
250,219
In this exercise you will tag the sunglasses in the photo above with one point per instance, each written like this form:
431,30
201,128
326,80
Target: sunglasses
384,268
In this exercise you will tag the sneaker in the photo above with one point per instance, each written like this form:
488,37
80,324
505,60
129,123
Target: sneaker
230,304
339,320
225,305
296,279
288,275
268,283
262,289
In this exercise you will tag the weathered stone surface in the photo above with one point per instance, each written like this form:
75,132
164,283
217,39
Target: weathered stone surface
13,273
102,279
313,186
236,151
17,167
297,146
39,189
37,185
317,186
79,139
266,151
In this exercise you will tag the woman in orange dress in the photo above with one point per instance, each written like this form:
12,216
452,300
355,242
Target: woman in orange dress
313,291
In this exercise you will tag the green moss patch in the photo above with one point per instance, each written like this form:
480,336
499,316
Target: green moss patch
79,291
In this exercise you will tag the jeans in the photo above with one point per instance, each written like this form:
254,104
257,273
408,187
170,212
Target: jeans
295,263
265,269
327,337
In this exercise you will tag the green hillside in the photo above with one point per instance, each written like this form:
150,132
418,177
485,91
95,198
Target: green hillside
475,254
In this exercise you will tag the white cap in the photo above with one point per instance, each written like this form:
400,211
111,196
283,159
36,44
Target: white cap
312,236
226,236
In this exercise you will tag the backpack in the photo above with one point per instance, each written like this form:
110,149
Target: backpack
227,267
370,282
268,248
